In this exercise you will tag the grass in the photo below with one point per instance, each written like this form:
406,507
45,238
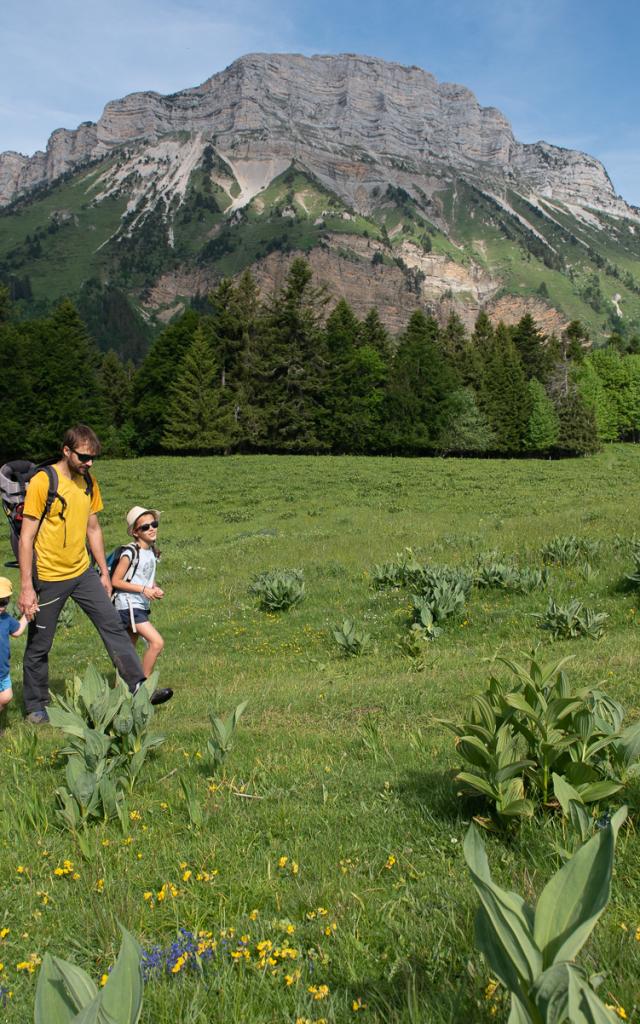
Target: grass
337,766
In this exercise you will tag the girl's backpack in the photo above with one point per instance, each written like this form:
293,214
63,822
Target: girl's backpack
133,551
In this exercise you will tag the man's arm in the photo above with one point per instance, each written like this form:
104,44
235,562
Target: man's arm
96,546
27,601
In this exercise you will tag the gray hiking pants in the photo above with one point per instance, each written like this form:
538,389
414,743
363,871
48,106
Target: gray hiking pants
87,591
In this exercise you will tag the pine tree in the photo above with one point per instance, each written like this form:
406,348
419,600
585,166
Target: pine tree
154,379
341,337
374,334
531,346
506,397
577,433
198,418
420,383
454,339
67,389
543,427
287,375
465,428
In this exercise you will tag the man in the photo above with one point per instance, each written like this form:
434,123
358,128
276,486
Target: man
55,565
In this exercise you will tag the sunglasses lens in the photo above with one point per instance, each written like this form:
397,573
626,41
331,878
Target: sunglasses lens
149,526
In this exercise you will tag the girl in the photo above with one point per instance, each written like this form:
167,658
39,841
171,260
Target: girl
133,580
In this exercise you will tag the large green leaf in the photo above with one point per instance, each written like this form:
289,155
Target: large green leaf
550,993
53,1005
121,997
90,1014
81,989
564,792
481,785
574,898
584,1005
510,918
591,792
68,721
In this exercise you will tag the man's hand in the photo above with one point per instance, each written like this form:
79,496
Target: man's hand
28,603
105,579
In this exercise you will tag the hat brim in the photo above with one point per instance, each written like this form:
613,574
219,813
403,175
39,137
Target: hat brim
146,512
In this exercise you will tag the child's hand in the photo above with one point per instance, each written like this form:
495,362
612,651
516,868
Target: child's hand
155,593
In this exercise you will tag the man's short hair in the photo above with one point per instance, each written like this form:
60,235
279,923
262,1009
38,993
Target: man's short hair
81,434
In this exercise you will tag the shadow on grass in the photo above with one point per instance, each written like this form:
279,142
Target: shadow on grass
435,793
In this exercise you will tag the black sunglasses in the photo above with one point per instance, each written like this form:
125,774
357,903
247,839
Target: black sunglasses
153,525
84,457
4,601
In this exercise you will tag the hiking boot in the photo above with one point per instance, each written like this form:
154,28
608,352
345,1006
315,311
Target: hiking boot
161,696
38,717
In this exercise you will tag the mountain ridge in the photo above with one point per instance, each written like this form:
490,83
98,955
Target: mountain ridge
449,126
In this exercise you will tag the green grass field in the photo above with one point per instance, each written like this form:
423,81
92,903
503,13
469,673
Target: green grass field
334,830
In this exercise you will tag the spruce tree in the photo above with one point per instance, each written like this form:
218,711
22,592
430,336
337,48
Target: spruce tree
531,346
154,379
421,381
465,427
374,334
506,396
198,418
608,405
287,373
454,339
543,426
577,433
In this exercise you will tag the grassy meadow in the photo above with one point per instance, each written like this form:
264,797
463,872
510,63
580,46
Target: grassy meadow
334,830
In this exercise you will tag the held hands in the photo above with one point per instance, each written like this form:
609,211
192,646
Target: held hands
28,603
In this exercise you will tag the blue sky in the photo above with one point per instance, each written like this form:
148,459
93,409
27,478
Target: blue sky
560,70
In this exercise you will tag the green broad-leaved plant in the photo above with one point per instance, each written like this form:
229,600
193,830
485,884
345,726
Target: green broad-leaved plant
525,732
222,734
532,950
279,589
65,994
351,639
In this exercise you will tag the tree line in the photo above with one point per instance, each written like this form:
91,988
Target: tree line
290,374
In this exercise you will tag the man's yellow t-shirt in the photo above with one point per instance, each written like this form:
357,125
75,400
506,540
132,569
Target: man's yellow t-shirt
61,544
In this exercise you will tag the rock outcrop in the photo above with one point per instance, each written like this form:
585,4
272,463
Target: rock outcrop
354,122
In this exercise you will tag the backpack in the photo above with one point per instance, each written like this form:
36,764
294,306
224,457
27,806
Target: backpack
14,480
133,551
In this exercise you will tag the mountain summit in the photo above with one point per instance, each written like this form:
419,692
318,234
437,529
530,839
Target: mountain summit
401,190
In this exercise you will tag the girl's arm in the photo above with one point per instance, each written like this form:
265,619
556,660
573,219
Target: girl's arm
119,583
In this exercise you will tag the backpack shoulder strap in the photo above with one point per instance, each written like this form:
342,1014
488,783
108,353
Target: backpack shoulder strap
133,551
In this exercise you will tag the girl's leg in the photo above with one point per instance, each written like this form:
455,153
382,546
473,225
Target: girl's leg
5,700
154,648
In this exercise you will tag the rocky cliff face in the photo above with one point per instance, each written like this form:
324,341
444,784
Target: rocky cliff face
354,122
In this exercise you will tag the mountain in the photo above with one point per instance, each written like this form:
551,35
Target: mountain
402,191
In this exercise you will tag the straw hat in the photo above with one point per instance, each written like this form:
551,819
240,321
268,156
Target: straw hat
134,514
6,587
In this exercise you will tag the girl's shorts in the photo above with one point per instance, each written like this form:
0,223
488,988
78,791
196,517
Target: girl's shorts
5,684
139,615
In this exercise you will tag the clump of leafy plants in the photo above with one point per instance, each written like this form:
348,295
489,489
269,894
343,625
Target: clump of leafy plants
278,589
406,571
220,743
351,639
566,622
532,950
65,994
634,577
567,551
108,741
527,727
505,576
441,601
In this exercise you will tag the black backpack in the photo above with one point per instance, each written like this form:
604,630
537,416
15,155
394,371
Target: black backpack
14,480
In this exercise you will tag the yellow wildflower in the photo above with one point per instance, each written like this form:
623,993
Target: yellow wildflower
4,932
100,885
21,870
253,916
164,807
357,1005
283,861
103,980
318,991
186,876
391,860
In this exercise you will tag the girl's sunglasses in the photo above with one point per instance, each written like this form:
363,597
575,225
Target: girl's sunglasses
153,525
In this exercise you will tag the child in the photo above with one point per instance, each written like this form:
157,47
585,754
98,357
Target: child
8,627
134,583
